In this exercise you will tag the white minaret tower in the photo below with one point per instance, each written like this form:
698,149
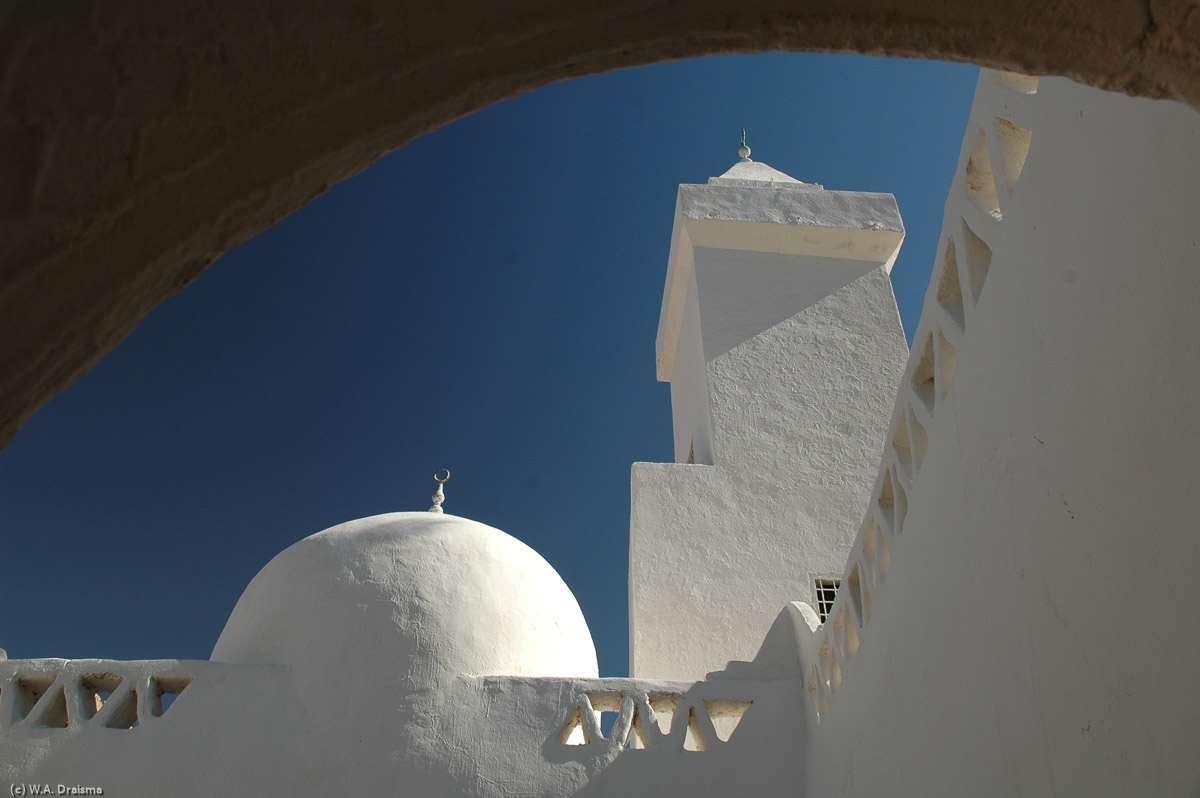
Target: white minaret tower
780,337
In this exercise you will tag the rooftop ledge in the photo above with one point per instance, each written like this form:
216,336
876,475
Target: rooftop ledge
797,211
790,219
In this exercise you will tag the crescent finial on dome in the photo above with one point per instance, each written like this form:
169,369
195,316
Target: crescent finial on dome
440,495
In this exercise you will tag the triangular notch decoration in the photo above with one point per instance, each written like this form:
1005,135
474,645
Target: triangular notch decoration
50,711
96,690
726,715
694,738
163,692
883,556
949,290
664,705
978,256
947,362
923,374
854,583
981,183
572,732
1014,148
693,724
120,711
640,733
606,709
29,691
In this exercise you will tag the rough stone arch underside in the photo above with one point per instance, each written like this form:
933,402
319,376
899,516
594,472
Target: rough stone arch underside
140,140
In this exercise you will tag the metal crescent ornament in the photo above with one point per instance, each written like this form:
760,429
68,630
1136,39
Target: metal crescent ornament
439,496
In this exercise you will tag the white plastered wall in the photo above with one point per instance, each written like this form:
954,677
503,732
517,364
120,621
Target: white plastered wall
788,358
245,730
1033,629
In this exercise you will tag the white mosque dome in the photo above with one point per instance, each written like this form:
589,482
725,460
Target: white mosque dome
405,599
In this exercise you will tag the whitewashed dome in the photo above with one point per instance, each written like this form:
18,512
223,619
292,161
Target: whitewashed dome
402,600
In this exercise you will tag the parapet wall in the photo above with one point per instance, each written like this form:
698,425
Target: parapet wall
240,730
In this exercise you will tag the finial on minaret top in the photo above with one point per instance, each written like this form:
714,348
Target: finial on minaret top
440,477
744,151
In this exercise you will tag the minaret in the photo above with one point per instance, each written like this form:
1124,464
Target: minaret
781,339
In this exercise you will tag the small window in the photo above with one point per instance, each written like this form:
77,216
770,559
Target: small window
826,593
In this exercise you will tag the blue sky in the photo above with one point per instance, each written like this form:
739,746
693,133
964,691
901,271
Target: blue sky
484,299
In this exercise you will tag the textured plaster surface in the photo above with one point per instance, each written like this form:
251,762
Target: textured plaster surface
787,204
235,729
1036,632
240,729
777,218
413,594
748,172
139,141
785,371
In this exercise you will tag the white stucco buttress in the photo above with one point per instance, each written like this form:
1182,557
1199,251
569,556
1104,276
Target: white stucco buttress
1031,628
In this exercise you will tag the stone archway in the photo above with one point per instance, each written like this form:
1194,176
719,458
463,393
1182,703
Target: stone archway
141,142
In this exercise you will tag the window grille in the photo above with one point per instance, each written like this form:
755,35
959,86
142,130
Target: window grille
826,593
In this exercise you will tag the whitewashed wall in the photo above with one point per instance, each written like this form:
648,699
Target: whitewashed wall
783,363
245,730
1024,616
